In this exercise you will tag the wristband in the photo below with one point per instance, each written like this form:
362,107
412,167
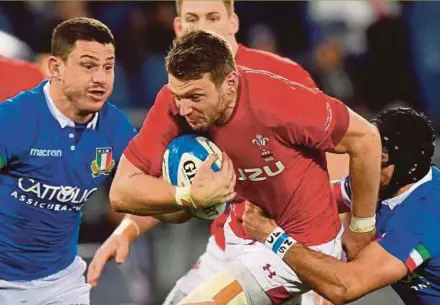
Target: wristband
183,197
363,224
125,223
279,242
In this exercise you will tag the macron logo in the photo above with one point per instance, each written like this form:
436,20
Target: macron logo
46,152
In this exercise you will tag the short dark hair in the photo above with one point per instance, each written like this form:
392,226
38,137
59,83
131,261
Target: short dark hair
229,4
68,32
197,53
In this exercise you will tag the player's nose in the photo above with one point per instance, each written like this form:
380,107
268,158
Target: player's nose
185,109
99,77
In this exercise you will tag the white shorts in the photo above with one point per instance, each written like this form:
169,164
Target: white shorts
312,298
274,276
209,263
66,287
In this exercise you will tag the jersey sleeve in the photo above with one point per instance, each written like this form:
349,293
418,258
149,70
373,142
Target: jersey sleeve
412,235
160,127
307,117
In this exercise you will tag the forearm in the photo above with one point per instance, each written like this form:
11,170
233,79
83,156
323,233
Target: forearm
143,195
133,226
338,281
176,217
365,161
326,275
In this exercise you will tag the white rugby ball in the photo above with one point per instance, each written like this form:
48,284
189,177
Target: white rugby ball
183,158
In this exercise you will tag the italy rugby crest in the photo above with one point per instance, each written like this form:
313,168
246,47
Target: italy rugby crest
104,163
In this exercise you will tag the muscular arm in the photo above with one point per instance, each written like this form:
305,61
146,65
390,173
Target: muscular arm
338,281
342,282
134,192
137,187
314,120
362,143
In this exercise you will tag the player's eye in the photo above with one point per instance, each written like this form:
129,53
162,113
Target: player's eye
191,20
214,18
87,66
108,67
196,98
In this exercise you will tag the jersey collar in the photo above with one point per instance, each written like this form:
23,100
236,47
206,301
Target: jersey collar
61,118
395,201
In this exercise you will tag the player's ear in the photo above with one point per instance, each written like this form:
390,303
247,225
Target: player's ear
55,66
231,82
177,24
235,23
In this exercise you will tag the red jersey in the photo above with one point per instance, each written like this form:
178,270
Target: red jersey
16,76
262,60
281,130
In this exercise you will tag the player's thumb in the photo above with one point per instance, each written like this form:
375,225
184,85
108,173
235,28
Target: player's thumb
209,160
121,255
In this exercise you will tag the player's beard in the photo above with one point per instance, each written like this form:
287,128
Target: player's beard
82,104
217,114
224,109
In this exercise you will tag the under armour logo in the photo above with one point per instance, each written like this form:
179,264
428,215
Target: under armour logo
271,273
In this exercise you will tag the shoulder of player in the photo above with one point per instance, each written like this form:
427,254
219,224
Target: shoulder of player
115,117
422,206
258,59
274,99
267,58
165,101
165,95
425,196
23,104
273,85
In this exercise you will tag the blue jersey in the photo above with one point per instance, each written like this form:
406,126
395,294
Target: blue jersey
50,167
408,227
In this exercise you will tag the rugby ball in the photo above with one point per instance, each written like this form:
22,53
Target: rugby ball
183,158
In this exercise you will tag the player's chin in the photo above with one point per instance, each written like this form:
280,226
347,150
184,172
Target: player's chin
198,126
92,106
95,102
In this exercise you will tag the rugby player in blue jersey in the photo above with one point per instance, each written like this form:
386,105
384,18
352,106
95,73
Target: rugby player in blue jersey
58,143
406,253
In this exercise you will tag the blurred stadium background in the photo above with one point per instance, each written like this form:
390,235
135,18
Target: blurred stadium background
369,54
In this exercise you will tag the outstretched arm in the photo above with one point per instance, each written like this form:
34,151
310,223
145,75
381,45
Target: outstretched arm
337,281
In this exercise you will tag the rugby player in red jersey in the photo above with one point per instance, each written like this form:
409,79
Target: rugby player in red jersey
282,130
